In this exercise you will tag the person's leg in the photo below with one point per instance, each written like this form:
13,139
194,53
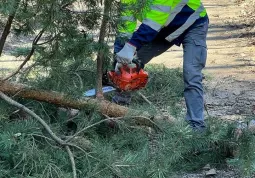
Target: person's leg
145,54
195,54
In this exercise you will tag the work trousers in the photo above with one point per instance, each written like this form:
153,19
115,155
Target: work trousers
194,60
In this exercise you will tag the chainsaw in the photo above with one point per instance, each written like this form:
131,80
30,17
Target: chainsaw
128,78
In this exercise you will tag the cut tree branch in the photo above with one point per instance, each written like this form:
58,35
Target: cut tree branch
46,126
31,113
103,106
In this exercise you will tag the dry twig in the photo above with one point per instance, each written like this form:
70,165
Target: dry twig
86,128
145,98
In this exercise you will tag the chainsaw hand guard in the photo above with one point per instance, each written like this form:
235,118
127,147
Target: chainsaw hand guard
139,64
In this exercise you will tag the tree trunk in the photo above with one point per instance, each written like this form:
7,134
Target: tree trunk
100,55
105,107
7,27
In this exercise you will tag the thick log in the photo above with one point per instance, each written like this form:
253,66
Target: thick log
56,98
107,108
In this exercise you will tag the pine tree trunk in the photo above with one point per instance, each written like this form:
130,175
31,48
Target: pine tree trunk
105,107
100,56
7,27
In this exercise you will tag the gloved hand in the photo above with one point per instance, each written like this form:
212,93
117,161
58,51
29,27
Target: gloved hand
119,65
126,55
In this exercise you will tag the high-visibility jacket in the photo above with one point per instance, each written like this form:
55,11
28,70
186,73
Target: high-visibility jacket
173,17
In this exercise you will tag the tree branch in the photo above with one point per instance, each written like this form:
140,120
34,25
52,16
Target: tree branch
28,57
7,27
70,154
46,126
103,106
86,128
31,113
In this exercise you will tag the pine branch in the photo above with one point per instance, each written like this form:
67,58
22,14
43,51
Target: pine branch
159,115
28,57
31,113
103,106
46,126
145,98
72,161
110,167
86,128
7,27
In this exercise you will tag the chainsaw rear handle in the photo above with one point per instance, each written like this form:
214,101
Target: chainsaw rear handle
139,65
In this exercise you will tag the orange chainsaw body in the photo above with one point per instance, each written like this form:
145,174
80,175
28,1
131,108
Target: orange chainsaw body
129,79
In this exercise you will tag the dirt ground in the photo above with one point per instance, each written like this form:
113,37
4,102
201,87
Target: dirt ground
230,69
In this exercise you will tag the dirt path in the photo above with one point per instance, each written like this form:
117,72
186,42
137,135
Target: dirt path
230,68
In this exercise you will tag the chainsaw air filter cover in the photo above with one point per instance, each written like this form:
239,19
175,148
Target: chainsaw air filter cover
128,79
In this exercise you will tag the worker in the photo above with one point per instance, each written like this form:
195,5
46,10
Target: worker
165,23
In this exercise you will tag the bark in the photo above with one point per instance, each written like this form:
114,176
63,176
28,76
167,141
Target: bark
105,107
7,27
100,55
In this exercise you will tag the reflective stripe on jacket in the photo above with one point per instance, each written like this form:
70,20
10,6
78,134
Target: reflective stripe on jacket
175,15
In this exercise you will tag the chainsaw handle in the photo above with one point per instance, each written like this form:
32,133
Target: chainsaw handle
139,65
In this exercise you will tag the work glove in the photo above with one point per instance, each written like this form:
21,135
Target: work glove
119,65
126,55
135,64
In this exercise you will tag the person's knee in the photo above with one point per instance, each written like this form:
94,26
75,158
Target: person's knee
192,77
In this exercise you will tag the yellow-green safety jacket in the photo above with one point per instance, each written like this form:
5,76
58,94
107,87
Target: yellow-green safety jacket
172,17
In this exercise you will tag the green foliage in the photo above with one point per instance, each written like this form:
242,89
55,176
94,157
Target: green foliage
22,51
122,151
164,89
244,159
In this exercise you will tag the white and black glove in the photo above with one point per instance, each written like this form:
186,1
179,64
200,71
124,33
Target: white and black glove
126,55
119,65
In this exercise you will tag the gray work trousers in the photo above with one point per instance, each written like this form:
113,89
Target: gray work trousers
194,60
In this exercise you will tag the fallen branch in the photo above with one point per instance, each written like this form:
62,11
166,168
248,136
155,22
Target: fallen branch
31,113
86,128
103,106
72,161
159,115
45,125
145,98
